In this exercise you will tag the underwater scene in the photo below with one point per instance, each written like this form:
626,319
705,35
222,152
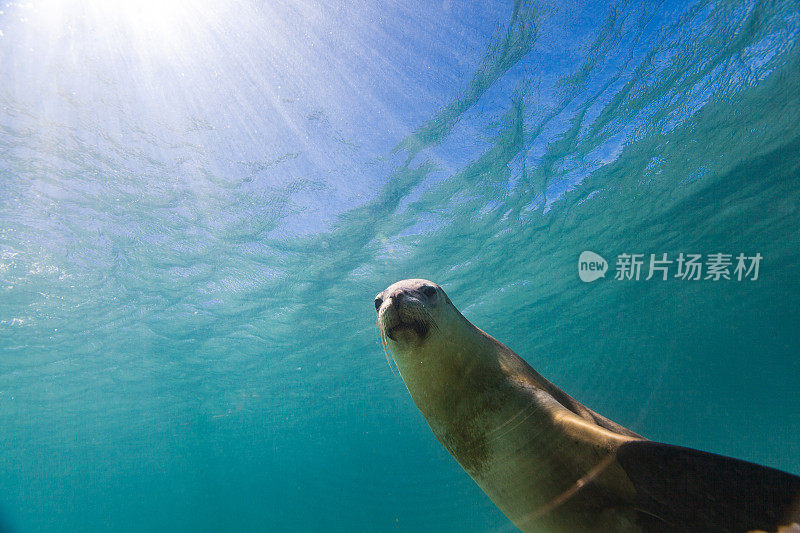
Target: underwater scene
208,209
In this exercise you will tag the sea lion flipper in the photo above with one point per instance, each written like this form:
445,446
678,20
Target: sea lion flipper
699,491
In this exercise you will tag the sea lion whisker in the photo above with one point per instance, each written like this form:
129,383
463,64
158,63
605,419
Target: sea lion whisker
429,320
386,350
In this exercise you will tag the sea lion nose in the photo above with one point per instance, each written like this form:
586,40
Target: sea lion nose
397,298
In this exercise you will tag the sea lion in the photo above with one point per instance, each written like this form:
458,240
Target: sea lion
547,461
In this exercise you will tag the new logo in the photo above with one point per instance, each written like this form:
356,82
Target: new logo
591,266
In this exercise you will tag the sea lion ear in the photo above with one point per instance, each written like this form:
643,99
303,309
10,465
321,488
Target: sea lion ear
446,298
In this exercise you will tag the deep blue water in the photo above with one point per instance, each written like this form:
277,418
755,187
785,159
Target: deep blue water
198,203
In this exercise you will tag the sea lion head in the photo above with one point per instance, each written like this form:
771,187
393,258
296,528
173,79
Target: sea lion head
412,312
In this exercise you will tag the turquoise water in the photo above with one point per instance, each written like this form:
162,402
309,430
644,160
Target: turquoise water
198,204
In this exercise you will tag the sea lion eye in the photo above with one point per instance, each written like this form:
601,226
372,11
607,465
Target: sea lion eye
428,291
378,303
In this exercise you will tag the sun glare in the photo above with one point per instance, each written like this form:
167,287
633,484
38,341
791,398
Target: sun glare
150,26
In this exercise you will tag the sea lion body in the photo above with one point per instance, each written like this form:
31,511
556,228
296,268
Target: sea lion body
548,462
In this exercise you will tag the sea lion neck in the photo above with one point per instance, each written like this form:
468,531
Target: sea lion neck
443,374
454,345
